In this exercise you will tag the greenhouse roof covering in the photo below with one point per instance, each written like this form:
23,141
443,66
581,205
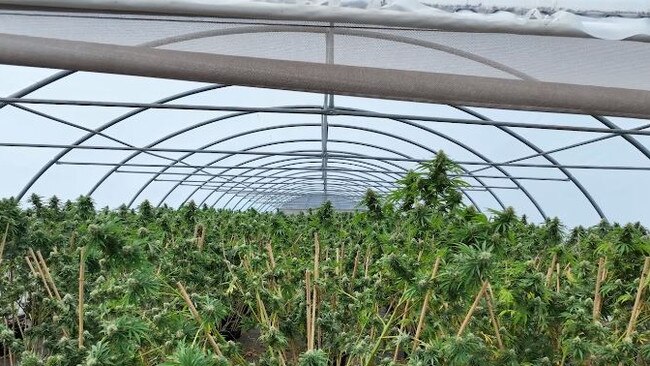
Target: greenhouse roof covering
278,104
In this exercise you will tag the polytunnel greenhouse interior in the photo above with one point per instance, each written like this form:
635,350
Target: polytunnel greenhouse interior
324,182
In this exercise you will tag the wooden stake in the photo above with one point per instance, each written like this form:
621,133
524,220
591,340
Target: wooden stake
31,268
3,242
425,306
367,263
41,273
637,301
48,275
315,290
557,280
73,239
11,354
308,302
549,272
597,295
269,250
80,307
337,269
468,317
356,265
197,317
199,236
495,322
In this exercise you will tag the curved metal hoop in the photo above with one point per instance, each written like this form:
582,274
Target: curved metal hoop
360,33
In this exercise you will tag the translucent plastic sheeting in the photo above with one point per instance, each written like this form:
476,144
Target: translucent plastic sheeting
548,17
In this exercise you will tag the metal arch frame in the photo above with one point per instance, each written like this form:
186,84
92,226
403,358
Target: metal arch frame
423,147
275,177
333,125
239,30
449,50
356,143
163,139
204,147
289,162
273,181
292,162
479,155
547,157
98,131
335,178
407,40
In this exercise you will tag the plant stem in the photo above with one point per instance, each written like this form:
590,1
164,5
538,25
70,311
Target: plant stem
371,358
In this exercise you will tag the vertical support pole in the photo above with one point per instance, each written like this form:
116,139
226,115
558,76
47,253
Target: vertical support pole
328,104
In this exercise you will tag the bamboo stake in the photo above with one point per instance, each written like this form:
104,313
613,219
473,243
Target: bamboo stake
80,308
73,239
495,322
197,317
3,242
308,302
425,306
637,301
557,280
356,265
471,310
597,295
31,268
337,269
315,290
199,236
41,273
48,275
269,250
11,354
367,263
549,272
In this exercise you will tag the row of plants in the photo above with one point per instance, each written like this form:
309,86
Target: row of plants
414,278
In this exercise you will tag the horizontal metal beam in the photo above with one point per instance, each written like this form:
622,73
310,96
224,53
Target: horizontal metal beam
206,151
515,165
316,110
360,81
288,183
320,178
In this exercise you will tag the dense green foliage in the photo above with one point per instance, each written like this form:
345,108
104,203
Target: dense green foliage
246,272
